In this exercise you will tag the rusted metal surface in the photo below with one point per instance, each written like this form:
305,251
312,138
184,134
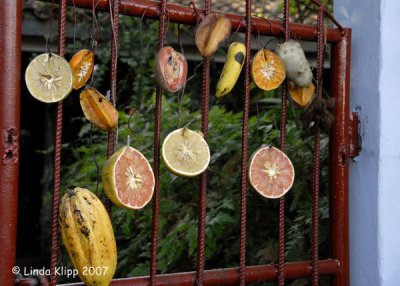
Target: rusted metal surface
57,153
245,127
339,158
354,134
230,276
185,15
10,63
156,156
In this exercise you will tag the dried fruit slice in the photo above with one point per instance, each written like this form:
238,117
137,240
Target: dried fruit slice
49,78
267,70
185,152
211,32
271,172
302,96
98,110
128,179
82,64
170,69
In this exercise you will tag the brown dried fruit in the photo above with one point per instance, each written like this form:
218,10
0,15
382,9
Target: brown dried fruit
302,96
82,64
170,69
267,70
211,32
98,110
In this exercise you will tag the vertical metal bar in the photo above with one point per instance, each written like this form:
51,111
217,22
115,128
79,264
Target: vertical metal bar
246,104
57,153
316,162
339,158
281,244
156,154
201,231
10,66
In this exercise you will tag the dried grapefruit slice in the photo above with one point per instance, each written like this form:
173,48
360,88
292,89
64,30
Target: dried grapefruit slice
267,70
185,152
82,64
49,78
271,172
128,179
302,96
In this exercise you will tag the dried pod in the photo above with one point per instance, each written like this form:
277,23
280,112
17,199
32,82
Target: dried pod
98,110
82,67
170,69
211,32
267,70
302,96
297,68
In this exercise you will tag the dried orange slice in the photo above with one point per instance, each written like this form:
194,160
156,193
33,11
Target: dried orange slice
267,70
185,152
49,78
302,96
128,179
98,110
82,64
271,172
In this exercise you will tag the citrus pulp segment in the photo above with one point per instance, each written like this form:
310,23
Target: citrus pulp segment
271,172
82,64
128,179
267,70
49,78
185,152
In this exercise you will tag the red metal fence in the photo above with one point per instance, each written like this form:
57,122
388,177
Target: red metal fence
340,39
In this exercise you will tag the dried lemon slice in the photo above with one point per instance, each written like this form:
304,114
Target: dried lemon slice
49,78
267,70
185,152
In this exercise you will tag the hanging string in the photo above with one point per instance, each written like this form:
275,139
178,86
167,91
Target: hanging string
57,154
281,244
50,28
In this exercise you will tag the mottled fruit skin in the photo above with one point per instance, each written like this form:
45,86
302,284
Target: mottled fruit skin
88,236
297,68
98,110
232,68
211,32
170,69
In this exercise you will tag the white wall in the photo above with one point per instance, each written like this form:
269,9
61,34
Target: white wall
375,177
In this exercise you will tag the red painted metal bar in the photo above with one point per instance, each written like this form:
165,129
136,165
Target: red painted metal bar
339,158
10,66
185,15
246,106
317,143
156,156
57,153
230,276
281,241
201,230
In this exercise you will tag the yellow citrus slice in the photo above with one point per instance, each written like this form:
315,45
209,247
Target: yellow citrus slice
271,172
128,179
302,96
82,64
267,70
49,78
185,152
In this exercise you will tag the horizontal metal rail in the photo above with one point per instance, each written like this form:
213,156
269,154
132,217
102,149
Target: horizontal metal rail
230,276
186,15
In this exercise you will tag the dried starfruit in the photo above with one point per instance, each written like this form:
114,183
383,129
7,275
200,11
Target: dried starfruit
98,110
267,70
82,67
211,32
170,69
302,96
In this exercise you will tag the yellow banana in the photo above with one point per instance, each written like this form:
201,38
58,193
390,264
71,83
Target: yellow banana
232,68
88,236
